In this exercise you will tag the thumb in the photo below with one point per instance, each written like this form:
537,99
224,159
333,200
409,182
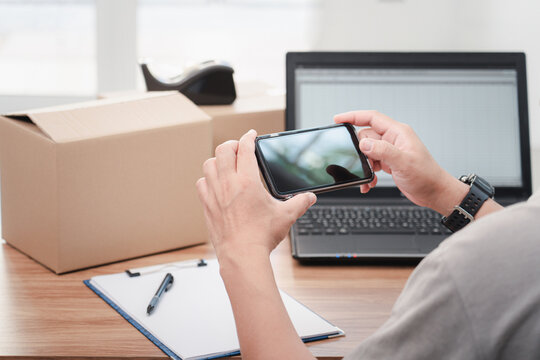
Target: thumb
383,151
298,204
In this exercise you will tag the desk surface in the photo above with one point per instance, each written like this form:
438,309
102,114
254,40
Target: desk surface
43,315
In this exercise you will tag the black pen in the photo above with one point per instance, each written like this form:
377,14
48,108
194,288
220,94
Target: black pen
165,286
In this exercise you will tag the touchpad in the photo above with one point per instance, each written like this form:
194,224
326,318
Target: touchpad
355,244
386,243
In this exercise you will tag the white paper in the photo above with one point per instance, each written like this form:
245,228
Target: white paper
194,318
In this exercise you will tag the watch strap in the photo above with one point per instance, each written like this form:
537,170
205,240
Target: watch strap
465,212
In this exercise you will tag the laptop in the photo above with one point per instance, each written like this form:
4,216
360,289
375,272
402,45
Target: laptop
469,109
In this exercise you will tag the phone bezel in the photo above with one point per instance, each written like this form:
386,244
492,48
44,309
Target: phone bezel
268,179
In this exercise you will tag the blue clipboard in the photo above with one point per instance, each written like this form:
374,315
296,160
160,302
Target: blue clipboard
143,331
162,346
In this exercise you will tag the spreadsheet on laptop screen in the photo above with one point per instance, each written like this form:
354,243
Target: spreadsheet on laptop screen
467,118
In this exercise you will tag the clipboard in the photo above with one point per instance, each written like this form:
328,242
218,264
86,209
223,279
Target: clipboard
194,320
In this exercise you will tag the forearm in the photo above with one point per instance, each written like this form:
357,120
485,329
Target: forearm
452,192
264,328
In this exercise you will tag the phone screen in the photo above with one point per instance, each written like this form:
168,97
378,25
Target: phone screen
313,159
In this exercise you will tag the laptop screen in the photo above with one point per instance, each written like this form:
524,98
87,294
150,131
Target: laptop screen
467,118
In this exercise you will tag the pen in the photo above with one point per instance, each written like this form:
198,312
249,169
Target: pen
165,286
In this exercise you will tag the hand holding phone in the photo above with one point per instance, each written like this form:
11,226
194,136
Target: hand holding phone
317,160
242,216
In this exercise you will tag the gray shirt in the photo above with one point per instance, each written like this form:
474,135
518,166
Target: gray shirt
477,296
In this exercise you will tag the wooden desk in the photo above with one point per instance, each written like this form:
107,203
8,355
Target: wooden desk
43,315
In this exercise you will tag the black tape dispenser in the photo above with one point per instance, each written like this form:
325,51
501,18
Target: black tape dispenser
208,83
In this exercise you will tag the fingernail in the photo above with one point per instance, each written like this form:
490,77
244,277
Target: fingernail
251,131
312,198
366,145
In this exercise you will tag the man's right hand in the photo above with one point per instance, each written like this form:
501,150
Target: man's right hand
394,148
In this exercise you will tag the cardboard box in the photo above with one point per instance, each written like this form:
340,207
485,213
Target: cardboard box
264,113
256,107
102,181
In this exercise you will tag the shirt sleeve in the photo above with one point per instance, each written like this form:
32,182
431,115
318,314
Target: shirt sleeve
428,321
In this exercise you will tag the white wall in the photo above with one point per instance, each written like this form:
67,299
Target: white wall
438,25
116,45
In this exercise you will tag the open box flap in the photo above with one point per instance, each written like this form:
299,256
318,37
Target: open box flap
113,116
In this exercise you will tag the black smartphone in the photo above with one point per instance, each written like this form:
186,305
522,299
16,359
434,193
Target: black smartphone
317,160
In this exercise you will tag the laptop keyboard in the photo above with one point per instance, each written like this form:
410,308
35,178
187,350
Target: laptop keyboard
346,220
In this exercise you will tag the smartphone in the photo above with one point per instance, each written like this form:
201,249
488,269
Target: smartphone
317,160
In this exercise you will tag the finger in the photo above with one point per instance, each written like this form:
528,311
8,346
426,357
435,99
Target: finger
383,151
373,183
298,204
210,175
204,196
202,190
364,188
379,122
375,165
386,168
207,198
226,158
368,133
246,161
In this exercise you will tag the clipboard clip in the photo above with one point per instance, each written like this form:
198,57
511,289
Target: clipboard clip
159,268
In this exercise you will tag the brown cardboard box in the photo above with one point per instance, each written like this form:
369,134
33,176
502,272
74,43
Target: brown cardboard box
102,181
263,113
254,108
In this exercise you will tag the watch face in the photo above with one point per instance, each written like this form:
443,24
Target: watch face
485,186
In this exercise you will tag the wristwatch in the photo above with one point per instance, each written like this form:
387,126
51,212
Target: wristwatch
464,213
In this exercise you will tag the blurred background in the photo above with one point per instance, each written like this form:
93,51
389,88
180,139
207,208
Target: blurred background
61,51
57,51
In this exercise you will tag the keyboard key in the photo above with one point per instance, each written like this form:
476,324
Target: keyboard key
344,220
